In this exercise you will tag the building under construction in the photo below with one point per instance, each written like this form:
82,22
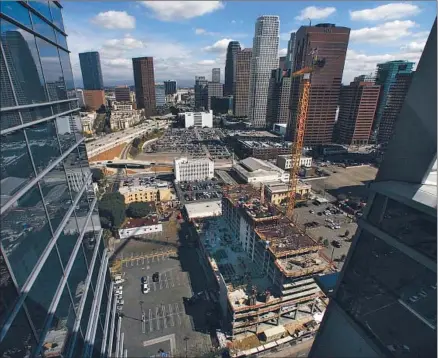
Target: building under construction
263,264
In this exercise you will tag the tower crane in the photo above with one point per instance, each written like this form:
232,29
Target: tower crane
301,118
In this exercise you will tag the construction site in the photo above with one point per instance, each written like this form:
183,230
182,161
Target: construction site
264,268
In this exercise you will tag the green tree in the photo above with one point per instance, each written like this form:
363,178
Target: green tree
97,175
138,210
347,232
112,210
325,243
136,142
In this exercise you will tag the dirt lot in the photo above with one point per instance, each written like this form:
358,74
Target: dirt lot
109,154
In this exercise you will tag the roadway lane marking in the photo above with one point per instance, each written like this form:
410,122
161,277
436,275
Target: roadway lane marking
172,322
157,317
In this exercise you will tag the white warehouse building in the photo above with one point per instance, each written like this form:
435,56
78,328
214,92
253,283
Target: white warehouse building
198,119
193,169
284,161
253,170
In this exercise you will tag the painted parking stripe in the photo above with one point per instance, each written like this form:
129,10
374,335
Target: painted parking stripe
172,322
150,321
164,316
157,318
177,314
167,281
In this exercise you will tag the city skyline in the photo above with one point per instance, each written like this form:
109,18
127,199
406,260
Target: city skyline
194,41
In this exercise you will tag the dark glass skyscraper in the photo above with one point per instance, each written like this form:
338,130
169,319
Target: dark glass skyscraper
230,67
385,303
55,287
91,70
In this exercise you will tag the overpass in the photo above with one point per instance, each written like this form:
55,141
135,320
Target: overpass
112,140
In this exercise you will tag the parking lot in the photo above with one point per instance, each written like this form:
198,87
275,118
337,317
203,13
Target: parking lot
198,191
162,320
322,229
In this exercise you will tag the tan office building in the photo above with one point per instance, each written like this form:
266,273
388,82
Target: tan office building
94,99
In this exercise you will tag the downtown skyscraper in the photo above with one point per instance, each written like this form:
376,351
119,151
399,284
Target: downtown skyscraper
264,60
91,70
144,81
328,44
230,67
56,294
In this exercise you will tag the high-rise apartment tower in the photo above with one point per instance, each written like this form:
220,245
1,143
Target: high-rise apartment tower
122,93
144,81
329,43
56,293
264,60
201,93
230,67
290,56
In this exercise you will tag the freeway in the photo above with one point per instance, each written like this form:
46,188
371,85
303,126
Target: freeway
112,140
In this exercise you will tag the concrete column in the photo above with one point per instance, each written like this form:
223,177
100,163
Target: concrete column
119,327
122,341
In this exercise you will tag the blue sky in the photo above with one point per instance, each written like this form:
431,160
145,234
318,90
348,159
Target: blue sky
189,38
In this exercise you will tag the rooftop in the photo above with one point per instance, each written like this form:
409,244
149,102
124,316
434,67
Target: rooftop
139,222
247,198
204,209
285,239
251,167
280,187
265,144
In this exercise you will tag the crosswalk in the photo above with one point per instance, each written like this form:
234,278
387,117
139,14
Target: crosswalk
162,317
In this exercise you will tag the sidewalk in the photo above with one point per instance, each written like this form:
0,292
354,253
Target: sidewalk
299,350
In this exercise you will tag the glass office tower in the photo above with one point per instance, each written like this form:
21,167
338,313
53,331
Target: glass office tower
91,70
55,288
385,303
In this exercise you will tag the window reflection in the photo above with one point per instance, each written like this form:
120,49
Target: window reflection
67,72
67,133
43,290
61,107
25,233
43,28
378,283
16,166
61,40
87,309
23,64
56,15
8,291
411,226
6,95
59,334
52,70
43,143
16,11
74,172
34,114
42,7
95,274
97,342
76,279
54,186
9,119
67,240
19,340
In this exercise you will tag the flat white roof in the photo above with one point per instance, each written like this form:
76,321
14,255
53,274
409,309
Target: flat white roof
204,209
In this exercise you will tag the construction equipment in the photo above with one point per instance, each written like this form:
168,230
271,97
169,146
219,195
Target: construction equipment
301,118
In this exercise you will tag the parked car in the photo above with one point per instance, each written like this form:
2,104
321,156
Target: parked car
156,277
121,280
145,288
144,279
336,244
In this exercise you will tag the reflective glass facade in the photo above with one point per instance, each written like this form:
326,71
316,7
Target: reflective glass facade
52,259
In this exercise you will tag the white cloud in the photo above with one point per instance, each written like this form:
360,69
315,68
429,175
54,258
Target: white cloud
282,52
233,21
181,10
207,62
386,12
384,33
421,34
126,43
219,46
414,46
114,20
358,63
201,31
315,13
